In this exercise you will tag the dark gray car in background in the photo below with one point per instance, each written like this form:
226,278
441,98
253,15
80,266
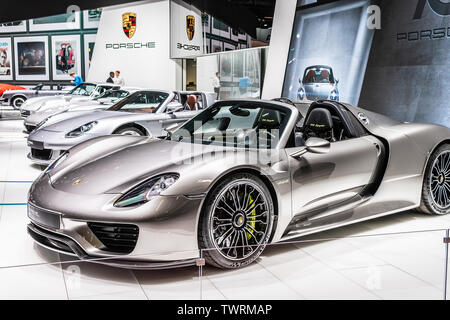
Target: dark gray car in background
15,98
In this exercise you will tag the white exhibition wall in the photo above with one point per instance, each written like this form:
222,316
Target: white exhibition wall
207,66
143,58
279,48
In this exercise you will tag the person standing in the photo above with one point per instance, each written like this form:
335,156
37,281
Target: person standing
76,79
217,85
110,78
118,79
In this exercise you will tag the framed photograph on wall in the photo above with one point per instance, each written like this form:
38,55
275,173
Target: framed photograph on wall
234,34
206,22
220,29
15,26
31,58
91,18
89,44
216,46
66,21
5,59
66,57
228,46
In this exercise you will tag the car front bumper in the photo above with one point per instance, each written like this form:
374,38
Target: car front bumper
46,146
167,227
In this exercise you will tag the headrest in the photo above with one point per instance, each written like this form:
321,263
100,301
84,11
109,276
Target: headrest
319,120
269,119
191,101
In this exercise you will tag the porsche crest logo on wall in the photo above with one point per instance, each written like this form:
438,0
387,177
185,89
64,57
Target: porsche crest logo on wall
190,27
129,24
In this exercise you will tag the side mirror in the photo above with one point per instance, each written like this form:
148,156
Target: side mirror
313,145
171,128
174,107
337,81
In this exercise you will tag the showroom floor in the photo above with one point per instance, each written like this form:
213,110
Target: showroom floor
371,262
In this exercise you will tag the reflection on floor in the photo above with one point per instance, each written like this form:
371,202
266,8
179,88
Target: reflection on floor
402,266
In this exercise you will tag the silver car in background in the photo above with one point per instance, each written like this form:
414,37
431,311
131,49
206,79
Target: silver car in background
83,92
318,83
96,102
238,176
144,113
16,98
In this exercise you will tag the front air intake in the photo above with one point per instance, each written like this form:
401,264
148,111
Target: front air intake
117,238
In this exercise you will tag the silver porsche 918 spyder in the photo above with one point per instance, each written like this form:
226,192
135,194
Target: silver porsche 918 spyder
143,113
236,177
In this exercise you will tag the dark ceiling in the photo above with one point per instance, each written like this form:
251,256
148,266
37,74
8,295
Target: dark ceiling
244,14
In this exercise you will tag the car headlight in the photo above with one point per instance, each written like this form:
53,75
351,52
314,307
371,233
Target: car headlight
334,95
147,191
301,94
81,130
57,162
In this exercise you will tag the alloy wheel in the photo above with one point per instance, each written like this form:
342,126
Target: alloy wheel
240,220
439,182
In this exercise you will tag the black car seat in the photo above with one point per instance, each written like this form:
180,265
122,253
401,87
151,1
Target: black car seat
319,124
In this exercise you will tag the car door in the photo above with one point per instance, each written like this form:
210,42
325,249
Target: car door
324,181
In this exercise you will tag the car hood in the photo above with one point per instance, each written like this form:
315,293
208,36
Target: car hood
120,163
78,119
43,103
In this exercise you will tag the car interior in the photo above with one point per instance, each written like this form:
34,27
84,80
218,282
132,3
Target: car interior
326,121
192,102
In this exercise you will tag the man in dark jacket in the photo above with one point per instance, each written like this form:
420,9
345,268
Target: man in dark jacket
111,77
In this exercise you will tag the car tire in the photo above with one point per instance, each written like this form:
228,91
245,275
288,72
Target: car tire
436,183
17,102
130,131
227,208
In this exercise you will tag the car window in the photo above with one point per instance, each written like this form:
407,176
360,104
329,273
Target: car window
113,94
148,102
318,74
83,89
241,125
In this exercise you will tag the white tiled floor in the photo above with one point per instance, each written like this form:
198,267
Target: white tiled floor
356,266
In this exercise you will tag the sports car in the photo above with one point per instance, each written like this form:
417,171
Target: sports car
96,102
6,87
83,92
15,98
236,177
143,113
318,83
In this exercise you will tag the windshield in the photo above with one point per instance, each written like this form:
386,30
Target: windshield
119,94
141,102
83,89
240,124
318,75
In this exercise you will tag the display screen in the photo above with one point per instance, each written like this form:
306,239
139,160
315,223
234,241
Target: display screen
398,68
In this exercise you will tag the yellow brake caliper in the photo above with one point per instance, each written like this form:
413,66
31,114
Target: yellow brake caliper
252,221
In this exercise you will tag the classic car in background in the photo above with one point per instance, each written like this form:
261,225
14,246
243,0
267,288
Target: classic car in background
5,87
318,83
238,176
83,92
95,102
16,98
143,113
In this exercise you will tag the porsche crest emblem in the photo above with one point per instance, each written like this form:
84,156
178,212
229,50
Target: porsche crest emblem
77,182
190,27
129,24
